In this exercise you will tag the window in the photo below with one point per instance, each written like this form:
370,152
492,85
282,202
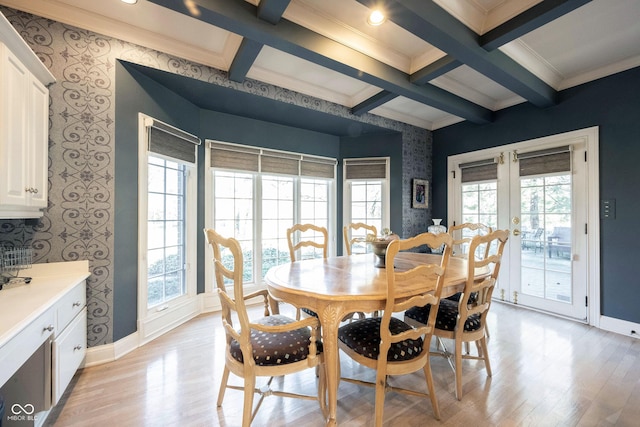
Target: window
366,197
167,221
258,193
234,213
166,231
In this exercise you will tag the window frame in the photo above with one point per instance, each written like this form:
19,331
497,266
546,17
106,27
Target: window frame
347,192
152,321
258,283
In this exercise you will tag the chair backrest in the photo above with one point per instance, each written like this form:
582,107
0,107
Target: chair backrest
350,239
431,278
307,236
462,235
231,303
483,289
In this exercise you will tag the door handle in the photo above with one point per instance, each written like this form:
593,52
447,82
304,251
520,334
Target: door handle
516,232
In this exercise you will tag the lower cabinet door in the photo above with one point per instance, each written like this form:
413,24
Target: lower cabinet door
69,349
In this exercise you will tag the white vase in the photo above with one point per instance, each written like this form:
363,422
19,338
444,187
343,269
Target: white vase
437,228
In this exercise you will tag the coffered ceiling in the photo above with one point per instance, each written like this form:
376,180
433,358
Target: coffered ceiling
430,64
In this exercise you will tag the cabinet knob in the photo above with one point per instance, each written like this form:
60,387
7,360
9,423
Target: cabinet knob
35,190
78,347
48,328
76,304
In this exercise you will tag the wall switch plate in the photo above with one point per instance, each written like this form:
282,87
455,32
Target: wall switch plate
608,209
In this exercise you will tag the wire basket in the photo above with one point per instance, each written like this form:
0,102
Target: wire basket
12,261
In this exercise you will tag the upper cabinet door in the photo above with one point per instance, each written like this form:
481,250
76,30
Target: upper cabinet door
38,137
14,149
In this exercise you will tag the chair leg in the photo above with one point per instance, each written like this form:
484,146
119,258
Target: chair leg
381,383
223,385
458,369
432,390
485,355
249,390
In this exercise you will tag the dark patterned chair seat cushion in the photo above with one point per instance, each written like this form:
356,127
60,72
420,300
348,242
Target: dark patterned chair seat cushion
447,316
276,348
456,297
363,336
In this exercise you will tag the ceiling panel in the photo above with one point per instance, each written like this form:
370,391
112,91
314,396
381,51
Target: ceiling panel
594,40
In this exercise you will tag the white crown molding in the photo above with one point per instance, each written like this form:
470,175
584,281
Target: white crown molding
401,117
450,85
80,18
482,19
520,52
300,86
504,12
446,121
599,73
426,58
469,13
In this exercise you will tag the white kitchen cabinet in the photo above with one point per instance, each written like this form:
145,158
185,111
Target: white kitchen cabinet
70,343
24,127
43,337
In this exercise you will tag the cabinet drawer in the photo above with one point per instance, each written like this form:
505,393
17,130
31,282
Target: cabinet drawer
70,305
68,350
17,350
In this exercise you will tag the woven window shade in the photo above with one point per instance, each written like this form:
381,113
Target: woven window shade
240,157
245,160
318,169
365,168
545,161
280,164
482,170
171,142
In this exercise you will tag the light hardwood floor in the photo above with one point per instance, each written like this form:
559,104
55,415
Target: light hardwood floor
546,372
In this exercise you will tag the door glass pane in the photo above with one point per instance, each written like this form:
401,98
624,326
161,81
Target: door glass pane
479,205
545,204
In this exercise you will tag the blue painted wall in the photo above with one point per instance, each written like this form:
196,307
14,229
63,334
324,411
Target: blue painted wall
613,104
386,145
135,92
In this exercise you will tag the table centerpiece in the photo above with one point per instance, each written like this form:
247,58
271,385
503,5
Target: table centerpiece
379,245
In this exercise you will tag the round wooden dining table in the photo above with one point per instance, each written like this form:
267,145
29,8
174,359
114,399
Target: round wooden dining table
334,287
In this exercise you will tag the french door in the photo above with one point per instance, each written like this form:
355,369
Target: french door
539,190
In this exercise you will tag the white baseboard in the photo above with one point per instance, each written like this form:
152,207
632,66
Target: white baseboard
621,327
205,303
166,319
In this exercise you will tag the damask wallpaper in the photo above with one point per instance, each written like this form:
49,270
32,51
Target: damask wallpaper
78,223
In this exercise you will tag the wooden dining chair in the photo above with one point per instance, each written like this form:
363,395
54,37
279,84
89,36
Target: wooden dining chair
462,235
389,345
464,321
350,237
272,345
307,241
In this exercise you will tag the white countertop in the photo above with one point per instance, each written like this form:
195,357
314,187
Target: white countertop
21,305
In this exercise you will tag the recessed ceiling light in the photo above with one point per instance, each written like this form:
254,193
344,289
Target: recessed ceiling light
129,1
376,18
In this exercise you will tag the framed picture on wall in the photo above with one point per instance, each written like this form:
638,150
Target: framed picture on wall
420,193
